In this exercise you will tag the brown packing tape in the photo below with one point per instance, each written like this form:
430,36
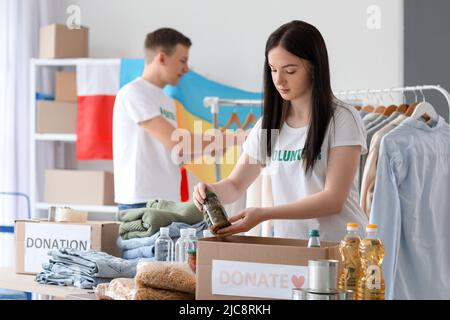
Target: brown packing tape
96,240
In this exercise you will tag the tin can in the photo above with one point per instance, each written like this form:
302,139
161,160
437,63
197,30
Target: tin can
322,275
306,294
298,294
216,216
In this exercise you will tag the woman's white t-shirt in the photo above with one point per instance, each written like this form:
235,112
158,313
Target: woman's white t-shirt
290,184
143,166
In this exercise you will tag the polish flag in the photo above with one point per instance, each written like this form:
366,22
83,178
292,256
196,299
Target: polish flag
98,82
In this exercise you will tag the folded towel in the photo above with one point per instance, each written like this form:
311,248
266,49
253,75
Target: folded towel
145,222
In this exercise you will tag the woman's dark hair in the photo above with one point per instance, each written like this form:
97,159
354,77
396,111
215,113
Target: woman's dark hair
305,41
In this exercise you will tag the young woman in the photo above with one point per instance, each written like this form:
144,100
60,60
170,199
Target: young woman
309,141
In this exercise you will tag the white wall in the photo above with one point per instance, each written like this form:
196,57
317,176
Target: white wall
229,36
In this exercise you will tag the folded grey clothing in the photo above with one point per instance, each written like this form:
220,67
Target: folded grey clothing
145,222
77,280
93,263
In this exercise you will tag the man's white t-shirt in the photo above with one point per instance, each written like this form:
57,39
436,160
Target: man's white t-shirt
143,168
290,184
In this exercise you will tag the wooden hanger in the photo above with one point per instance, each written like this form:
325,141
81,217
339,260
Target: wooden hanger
368,108
251,119
410,110
402,108
390,110
380,109
233,119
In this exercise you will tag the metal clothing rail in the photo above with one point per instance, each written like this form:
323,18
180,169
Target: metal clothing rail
400,89
215,102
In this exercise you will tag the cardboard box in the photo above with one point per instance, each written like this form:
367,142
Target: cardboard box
56,117
66,86
58,41
34,238
243,267
79,187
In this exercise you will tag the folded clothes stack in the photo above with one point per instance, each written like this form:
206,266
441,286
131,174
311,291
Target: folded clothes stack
137,248
84,269
153,281
145,222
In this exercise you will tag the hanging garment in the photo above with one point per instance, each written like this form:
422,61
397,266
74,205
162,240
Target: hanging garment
259,194
363,113
369,118
410,206
371,130
370,168
375,128
373,123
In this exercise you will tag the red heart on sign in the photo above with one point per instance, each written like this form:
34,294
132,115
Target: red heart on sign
298,281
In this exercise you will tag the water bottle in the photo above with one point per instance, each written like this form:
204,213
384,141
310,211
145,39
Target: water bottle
207,234
314,240
182,246
164,246
193,238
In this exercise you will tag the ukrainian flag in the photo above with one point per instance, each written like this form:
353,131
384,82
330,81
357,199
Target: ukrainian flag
188,96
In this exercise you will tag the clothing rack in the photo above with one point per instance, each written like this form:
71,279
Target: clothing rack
215,102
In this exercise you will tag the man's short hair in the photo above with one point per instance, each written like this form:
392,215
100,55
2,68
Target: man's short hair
166,39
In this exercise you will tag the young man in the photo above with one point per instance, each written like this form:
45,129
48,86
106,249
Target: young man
143,122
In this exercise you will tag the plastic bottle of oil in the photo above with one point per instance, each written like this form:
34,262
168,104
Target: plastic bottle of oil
370,285
351,262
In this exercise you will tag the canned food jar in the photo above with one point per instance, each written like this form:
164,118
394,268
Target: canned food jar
192,260
216,213
322,275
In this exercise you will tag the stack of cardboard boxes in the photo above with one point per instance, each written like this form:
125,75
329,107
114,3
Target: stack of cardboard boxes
65,187
59,116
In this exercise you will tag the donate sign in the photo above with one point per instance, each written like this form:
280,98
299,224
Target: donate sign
262,280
